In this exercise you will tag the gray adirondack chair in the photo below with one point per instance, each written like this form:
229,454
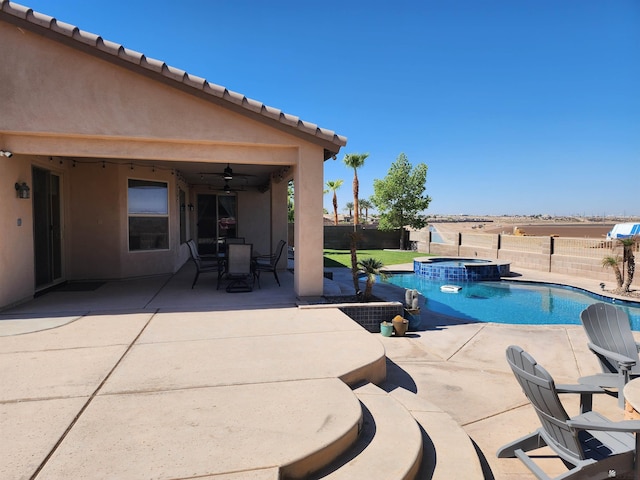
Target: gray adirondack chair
612,341
592,446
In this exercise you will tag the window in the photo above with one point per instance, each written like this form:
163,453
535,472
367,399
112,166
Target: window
148,209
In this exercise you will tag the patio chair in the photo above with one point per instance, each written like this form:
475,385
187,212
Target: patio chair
202,266
589,444
611,340
230,240
227,241
238,267
269,263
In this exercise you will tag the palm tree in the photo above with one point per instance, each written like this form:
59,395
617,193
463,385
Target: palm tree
628,257
354,237
618,264
355,161
334,185
366,205
614,263
349,206
372,269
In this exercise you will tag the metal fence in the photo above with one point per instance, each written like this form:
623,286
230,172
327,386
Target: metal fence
583,247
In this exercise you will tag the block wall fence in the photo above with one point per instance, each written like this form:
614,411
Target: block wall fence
580,257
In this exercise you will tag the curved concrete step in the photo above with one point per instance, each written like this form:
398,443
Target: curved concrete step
448,450
339,431
389,446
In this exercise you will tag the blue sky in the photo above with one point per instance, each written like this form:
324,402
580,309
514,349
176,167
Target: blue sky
516,106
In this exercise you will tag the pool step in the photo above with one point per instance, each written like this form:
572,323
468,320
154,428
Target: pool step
448,452
389,446
404,437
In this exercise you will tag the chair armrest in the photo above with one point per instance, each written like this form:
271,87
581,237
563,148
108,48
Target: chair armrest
629,426
205,262
264,260
586,394
578,388
624,362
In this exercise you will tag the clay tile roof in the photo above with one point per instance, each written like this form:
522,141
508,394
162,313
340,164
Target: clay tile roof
56,29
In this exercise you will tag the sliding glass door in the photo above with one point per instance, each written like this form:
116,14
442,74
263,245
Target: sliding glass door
47,233
216,222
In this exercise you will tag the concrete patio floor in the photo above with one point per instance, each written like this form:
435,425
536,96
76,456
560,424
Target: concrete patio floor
151,379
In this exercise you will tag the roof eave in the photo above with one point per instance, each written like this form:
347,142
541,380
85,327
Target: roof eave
27,18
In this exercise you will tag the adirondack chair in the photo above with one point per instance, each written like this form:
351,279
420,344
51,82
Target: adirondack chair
612,341
589,444
202,265
269,263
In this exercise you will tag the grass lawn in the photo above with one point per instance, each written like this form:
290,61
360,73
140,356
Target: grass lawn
342,258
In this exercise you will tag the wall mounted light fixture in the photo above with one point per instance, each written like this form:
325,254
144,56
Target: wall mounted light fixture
22,190
6,153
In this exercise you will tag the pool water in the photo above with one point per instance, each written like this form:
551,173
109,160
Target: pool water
510,302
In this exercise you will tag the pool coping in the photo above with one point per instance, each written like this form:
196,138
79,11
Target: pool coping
473,261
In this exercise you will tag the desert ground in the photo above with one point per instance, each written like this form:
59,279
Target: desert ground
586,229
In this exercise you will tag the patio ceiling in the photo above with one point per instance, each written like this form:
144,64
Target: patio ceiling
204,174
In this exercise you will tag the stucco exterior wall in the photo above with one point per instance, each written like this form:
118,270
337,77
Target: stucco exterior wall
16,233
95,227
308,212
96,231
61,101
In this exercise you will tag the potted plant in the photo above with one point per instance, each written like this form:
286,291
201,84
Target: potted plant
386,329
400,325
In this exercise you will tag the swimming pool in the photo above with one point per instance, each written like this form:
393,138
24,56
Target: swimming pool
510,302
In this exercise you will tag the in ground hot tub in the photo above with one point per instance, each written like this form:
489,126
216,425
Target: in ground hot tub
447,269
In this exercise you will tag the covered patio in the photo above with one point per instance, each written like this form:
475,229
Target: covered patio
126,158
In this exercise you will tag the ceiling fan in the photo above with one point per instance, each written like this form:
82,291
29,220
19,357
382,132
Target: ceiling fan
227,174
229,190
